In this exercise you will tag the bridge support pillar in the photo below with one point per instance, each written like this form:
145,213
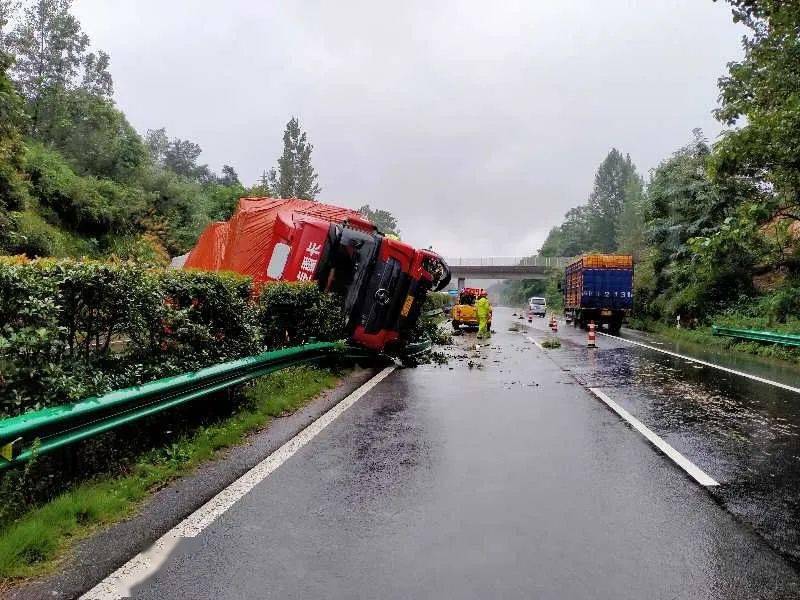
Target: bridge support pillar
462,282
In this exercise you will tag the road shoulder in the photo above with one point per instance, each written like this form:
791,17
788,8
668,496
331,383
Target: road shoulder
100,554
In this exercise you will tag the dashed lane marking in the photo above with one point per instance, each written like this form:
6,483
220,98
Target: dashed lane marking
122,581
538,345
708,364
679,459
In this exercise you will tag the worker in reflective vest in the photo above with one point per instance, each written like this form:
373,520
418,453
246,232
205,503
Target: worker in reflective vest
484,310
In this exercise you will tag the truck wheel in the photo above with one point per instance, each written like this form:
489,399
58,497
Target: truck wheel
456,325
614,327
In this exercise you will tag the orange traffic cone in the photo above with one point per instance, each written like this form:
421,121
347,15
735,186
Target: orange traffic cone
592,336
553,324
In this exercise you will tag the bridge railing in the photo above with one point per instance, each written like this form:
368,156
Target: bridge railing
511,261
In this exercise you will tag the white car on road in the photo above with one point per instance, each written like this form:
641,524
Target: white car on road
537,306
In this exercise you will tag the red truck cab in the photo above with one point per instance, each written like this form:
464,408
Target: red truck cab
382,281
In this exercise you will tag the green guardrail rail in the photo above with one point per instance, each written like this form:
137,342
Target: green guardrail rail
60,426
785,339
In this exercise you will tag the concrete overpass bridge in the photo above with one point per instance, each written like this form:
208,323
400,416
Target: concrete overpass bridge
504,267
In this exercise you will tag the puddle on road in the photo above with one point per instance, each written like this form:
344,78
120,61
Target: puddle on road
743,433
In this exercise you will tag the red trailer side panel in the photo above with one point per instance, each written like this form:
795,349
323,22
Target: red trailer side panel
244,244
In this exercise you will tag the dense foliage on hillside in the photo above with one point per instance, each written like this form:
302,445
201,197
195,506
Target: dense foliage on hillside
717,226
76,179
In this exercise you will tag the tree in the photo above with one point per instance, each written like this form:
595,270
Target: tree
685,205
571,237
758,160
157,143
382,219
97,138
593,227
8,9
295,176
631,226
607,199
229,176
260,189
97,79
552,243
51,51
576,231
205,175
181,157
12,118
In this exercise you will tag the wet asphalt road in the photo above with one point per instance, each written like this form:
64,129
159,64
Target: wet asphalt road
743,433
498,475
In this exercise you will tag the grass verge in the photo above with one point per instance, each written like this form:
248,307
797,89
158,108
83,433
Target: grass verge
32,544
551,343
703,336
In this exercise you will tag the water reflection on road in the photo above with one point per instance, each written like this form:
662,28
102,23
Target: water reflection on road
768,368
744,433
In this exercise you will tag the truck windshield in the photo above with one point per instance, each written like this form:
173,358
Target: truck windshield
537,300
350,255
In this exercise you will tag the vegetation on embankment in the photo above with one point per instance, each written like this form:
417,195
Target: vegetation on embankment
702,336
35,534
60,319
76,179
74,329
517,293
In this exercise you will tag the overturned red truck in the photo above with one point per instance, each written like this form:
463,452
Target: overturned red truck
381,280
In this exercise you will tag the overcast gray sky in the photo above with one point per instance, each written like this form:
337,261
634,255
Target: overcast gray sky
478,124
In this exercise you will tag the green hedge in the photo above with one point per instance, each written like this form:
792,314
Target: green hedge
436,300
290,314
72,329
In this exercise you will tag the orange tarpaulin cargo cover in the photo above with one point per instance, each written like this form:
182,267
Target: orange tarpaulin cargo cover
244,244
606,261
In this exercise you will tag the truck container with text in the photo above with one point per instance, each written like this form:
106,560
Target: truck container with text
599,288
381,281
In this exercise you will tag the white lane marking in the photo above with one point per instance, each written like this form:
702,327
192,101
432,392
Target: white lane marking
684,463
708,364
538,345
122,581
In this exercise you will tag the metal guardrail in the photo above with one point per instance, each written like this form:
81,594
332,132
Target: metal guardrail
511,261
60,426
785,339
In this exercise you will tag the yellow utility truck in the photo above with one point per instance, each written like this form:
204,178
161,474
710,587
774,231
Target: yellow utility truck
463,313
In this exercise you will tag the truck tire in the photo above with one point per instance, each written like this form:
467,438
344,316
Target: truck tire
456,325
614,327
